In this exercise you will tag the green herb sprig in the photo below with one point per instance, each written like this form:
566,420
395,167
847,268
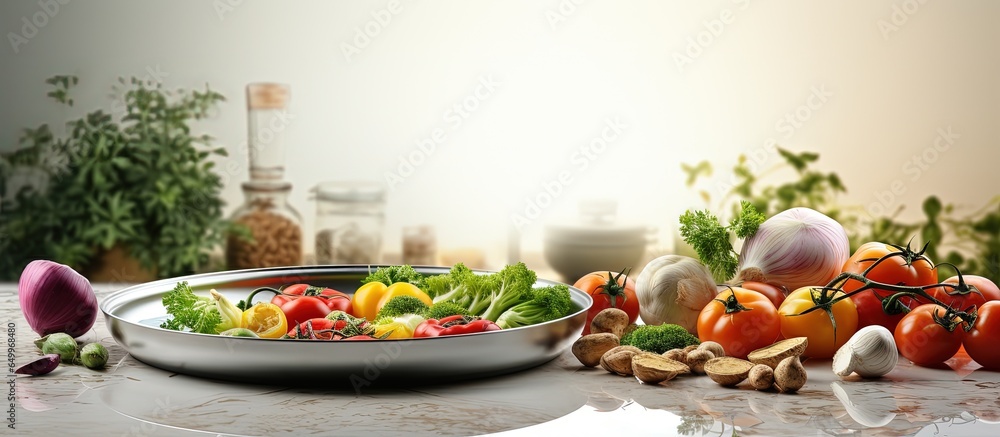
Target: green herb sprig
713,241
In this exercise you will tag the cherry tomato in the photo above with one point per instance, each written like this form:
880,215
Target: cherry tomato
609,290
334,299
981,341
774,293
740,320
927,336
817,326
905,267
976,291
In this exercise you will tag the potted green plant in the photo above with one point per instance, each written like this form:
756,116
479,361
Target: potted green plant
120,197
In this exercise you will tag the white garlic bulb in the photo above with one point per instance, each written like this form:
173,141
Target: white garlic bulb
674,289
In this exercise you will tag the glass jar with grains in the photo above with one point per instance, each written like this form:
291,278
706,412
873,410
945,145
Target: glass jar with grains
268,230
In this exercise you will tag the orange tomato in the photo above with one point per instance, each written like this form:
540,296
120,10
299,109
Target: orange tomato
740,320
609,290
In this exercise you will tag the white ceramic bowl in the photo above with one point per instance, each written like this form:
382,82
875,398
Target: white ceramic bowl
573,259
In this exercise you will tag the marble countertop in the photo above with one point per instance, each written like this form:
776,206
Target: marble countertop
560,397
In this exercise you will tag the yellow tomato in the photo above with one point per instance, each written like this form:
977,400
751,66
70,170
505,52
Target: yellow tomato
266,320
817,326
402,289
364,302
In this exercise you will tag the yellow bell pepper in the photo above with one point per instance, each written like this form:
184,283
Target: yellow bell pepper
403,289
365,301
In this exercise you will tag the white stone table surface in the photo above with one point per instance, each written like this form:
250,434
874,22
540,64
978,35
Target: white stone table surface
130,398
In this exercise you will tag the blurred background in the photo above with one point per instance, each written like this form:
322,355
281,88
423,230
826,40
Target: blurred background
485,131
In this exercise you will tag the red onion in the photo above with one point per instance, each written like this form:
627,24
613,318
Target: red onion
55,298
41,366
797,248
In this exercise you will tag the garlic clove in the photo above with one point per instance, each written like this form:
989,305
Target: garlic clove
871,353
875,351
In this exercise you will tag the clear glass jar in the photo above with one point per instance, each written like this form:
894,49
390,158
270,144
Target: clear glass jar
269,232
350,218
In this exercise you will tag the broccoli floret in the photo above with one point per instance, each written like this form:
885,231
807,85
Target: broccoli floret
511,285
449,286
401,305
462,287
547,303
659,338
393,274
190,311
441,310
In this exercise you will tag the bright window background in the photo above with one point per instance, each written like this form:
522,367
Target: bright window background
558,82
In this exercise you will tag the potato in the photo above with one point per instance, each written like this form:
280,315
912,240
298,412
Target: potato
728,371
651,368
589,348
713,347
761,376
789,375
773,354
611,320
619,360
697,358
677,355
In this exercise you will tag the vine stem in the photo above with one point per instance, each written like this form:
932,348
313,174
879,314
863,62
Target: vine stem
967,317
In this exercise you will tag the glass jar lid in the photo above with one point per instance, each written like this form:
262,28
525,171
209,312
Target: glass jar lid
349,191
266,186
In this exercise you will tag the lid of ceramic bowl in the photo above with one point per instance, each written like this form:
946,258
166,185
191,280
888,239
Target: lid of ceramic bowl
597,225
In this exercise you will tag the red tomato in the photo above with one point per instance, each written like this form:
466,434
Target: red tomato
981,341
740,320
905,267
926,337
609,290
976,291
304,308
774,293
333,299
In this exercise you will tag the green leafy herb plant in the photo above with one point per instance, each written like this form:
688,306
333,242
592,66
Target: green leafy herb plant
140,181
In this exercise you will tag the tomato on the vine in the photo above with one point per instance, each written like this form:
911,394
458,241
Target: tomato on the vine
981,341
774,293
334,300
301,302
904,267
827,327
970,291
929,334
740,320
609,290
